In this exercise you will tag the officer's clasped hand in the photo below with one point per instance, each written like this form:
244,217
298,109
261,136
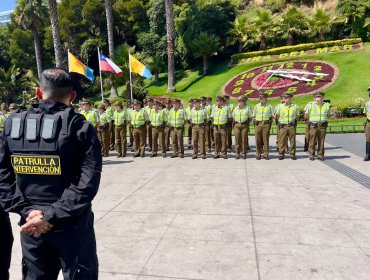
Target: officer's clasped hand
35,224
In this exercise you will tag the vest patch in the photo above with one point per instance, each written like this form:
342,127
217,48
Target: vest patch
36,165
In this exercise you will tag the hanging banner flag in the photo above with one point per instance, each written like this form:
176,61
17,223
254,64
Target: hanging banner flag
137,67
76,66
108,65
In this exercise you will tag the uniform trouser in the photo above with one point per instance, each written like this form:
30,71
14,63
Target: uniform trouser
167,135
6,244
71,247
212,136
285,133
220,135
120,133
367,131
199,140
229,135
208,132
103,135
247,136
317,135
241,138
139,139
112,137
158,134
177,135
149,133
262,135
190,133
306,135
131,135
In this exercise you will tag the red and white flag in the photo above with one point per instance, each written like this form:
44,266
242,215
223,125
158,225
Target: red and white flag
108,65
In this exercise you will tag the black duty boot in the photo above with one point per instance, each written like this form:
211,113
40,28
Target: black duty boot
367,157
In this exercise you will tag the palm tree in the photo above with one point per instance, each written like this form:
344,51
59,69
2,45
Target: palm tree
30,14
239,32
320,22
55,32
108,12
170,45
294,23
13,81
204,46
263,26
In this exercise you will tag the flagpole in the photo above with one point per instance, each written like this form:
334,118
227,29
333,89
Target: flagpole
129,65
101,80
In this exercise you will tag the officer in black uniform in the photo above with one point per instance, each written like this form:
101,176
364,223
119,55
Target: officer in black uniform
6,244
50,168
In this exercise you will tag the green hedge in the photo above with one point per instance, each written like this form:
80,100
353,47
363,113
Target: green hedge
287,49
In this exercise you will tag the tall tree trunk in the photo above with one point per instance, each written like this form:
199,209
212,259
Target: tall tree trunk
240,46
36,39
205,64
156,77
108,12
263,42
55,31
321,36
170,45
290,38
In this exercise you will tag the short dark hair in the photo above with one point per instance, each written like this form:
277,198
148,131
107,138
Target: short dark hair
56,82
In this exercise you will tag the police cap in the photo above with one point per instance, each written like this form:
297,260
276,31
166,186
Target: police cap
287,95
86,101
3,106
137,102
101,106
241,98
221,98
319,94
176,100
117,103
263,95
13,106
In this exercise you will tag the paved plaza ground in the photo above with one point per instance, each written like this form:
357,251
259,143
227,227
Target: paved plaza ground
162,219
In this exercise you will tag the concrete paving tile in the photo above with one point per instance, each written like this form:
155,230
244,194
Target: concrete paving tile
122,255
280,193
303,262
116,276
151,189
199,176
143,277
118,189
211,163
350,194
107,202
152,203
211,228
358,230
232,204
306,231
132,225
203,259
289,208
348,210
219,190
259,179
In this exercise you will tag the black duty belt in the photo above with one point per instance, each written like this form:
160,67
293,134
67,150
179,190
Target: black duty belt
263,122
140,126
177,127
120,125
317,125
281,125
198,124
242,123
221,126
158,126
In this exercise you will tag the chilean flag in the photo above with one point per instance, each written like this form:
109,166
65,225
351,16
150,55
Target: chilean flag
108,65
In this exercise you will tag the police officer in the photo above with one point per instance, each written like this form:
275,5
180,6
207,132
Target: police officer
188,121
109,110
3,116
148,109
158,119
90,113
220,117
317,113
367,128
230,106
210,135
167,128
242,115
13,108
176,119
262,118
198,118
103,129
139,119
287,117
276,110
120,121
50,168
129,107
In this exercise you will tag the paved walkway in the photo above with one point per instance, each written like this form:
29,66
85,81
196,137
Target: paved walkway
163,219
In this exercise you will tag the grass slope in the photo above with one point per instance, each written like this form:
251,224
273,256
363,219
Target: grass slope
352,83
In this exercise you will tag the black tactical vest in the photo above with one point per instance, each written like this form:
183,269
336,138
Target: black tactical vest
44,153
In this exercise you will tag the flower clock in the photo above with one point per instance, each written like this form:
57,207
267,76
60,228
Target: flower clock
296,77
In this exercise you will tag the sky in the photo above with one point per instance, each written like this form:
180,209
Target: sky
6,5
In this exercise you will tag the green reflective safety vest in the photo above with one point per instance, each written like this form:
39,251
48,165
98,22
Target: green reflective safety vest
110,112
208,108
198,116
138,118
220,115
119,117
367,110
243,114
277,108
157,118
3,118
104,119
262,112
92,116
231,107
177,117
287,114
148,110
318,113
188,112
